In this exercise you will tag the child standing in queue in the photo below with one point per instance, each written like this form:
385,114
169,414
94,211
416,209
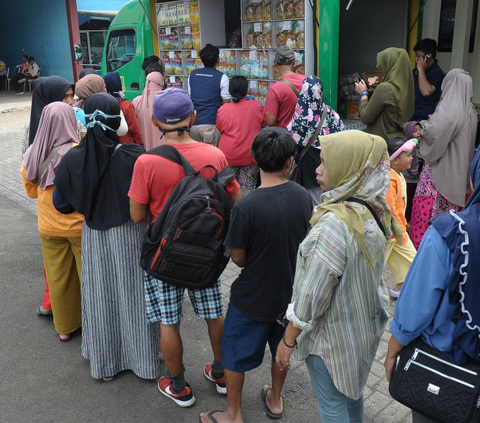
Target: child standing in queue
400,253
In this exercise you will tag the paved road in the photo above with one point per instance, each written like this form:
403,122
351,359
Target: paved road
45,380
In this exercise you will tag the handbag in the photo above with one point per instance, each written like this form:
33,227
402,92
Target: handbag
425,380
292,173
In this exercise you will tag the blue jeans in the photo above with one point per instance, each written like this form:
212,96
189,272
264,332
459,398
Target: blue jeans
334,407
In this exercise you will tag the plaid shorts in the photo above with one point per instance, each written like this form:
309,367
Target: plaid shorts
164,302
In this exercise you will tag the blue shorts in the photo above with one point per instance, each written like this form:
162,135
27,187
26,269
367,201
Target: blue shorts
244,341
164,302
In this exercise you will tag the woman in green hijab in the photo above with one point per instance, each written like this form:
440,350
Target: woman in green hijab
340,302
392,102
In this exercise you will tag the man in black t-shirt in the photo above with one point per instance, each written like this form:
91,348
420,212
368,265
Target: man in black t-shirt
265,232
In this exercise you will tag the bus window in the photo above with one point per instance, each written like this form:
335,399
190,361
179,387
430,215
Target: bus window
120,49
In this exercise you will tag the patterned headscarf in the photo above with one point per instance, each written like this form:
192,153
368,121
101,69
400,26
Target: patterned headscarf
309,111
357,165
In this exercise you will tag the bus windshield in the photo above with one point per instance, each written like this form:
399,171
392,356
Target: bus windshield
120,49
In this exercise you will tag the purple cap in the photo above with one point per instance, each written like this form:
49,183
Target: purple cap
172,105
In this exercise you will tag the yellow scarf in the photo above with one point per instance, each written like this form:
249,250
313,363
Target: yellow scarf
357,165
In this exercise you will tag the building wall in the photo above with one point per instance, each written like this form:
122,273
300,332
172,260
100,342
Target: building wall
38,29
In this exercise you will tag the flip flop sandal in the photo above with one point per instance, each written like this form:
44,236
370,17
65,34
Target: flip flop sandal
68,338
210,416
264,395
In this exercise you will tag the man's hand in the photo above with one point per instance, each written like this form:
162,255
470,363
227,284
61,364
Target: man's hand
283,356
422,62
394,348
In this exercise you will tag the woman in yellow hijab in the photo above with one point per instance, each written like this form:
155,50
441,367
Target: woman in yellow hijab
392,102
340,302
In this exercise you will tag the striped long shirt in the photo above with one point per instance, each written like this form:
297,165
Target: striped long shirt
340,303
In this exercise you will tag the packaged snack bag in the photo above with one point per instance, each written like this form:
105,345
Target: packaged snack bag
253,88
172,14
267,35
281,35
177,63
194,13
163,38
189,63
299,8
167,63
245,69
222,65
280,9
299,34
256,69
183,13
251,38
266,10
199,63
289,9
162,15
196,38
232,65
263,87
178,82
173,38
276,73
258,10
186,37
250,11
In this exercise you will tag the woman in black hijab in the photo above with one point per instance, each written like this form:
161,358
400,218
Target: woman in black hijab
94,178
46,90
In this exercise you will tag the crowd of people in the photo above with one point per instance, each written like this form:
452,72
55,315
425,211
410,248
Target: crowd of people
312,250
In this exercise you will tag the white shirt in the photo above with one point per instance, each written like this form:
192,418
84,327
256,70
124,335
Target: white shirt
33,70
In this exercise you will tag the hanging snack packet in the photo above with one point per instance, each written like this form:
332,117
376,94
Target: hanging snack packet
196,38
299,8
266,10
162,16
177,63
280,9
251,38
189,63
250,11
299,33
173,38
186,37
163,38
258,10
199,63
183,13
194,13
172,14
289,9
178,82
167,63
267,35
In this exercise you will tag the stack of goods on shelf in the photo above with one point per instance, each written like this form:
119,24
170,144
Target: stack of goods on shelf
254,64
228,63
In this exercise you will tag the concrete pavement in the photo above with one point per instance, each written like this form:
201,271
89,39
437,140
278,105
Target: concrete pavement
45,380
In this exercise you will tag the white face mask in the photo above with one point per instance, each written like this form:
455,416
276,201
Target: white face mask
123,128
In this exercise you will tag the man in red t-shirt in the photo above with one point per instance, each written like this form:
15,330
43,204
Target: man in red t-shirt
154,178
282,96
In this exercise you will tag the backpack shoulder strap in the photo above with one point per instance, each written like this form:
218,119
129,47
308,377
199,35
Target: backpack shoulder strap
291,86
171,153
225,176
47,161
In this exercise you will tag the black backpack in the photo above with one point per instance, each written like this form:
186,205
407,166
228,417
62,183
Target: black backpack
184,246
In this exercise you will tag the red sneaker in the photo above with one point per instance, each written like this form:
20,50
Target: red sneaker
183,399
219,382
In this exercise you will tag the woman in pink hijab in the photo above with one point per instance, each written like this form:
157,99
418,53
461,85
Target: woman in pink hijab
144,107
60,234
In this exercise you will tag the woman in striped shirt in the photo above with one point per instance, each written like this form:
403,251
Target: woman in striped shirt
340,302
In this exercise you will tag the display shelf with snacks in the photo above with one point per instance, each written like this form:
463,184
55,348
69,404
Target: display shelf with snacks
181,36
267,25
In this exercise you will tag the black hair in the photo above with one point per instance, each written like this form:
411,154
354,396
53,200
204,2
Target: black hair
31,58
393,144
209,55
155,67
427,46
24,55
149,60
238,88
271,149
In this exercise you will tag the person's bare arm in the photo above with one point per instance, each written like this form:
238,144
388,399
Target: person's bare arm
225,100
394,348
425,87
235,197
238,256
271,120
138,212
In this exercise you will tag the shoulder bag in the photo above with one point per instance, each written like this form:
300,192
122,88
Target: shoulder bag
292,173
